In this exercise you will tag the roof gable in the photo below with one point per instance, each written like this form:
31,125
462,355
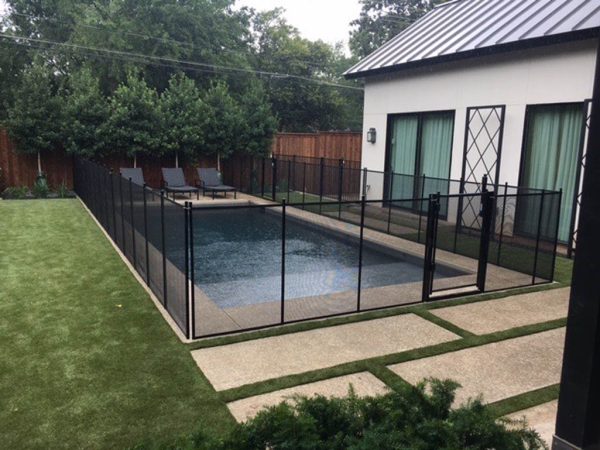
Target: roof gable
462,28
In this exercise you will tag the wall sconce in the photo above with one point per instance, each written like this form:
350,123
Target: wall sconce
372,135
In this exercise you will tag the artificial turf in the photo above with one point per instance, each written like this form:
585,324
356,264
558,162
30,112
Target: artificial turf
86,359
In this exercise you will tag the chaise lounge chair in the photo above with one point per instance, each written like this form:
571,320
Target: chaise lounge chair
174,182
210,180
134,174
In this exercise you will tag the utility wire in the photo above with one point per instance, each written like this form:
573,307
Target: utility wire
105,28
176,61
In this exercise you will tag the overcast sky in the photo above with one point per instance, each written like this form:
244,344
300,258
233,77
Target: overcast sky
328,20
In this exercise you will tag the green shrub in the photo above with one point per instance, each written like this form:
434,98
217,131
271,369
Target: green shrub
418,418
16,193
40,188
63,191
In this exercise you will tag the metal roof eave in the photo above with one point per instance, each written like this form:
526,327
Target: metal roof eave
571,36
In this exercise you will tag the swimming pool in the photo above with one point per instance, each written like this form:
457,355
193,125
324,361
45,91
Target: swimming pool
238,259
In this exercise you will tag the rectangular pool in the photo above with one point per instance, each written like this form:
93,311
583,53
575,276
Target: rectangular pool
238,259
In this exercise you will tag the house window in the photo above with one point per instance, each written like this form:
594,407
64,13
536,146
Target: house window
421,144
550,159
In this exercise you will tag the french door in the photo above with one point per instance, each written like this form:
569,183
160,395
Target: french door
419,154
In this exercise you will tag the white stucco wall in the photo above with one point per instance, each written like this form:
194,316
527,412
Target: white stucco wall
553,74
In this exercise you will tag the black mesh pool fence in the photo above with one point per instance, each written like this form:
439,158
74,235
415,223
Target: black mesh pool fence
323,249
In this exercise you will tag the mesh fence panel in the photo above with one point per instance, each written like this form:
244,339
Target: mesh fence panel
116,193
392,266
321,264
237,268
156,272
175,252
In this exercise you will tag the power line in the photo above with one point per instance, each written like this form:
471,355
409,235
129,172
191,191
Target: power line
104,27
161,59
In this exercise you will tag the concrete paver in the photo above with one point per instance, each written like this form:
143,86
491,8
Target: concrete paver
541,418
498,371
258,360
511,312
364,384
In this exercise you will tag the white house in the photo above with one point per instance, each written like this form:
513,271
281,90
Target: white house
486,87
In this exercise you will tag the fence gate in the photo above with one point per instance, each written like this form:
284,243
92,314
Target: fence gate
437,281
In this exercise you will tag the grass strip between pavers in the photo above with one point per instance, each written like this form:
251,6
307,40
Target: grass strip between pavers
525,401
371,364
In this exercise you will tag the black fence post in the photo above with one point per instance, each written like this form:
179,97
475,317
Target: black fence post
131,208
273,179
283,212
557,226
501,237
340,187
123,243
304,185
390,201
420,207
429,257
262,182
192,271
538,237
163,249
186,231
322,164
146,236
487,204
289,179
360,251
114,214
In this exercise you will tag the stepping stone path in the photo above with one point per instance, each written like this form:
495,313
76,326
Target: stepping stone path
504,314
235,365
364,385
498,371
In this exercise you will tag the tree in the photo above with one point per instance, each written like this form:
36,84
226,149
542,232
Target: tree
185,118
381,20
299,103
259,124
135,124
34,119
86,113
225,122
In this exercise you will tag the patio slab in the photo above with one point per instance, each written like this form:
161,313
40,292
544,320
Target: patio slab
496,371
504,314
235,365
541,418
364,385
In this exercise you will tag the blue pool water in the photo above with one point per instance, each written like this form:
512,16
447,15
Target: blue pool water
238,259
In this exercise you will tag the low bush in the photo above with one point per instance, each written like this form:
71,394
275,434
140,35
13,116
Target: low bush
40,187
418,418
15,192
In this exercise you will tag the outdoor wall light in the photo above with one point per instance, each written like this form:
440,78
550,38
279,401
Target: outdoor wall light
372,135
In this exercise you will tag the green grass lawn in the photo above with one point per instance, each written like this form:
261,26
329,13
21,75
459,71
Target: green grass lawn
86,359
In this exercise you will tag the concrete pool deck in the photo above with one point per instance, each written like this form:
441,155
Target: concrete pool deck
364,384
497,371
541,418
243,363
212,319
512,312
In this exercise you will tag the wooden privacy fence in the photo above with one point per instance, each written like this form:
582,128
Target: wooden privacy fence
328,145
21,170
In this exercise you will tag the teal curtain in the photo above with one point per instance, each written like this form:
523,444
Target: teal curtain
551,162
403,155
436,151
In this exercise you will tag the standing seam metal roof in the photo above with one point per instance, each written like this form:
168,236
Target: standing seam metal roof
463,27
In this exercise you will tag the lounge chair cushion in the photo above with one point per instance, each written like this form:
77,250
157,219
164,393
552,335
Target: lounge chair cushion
211,180
134,174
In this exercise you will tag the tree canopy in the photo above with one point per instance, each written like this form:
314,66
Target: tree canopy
381,20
